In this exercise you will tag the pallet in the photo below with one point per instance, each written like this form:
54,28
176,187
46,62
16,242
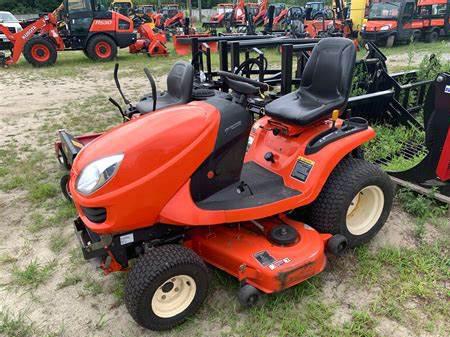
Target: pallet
422,190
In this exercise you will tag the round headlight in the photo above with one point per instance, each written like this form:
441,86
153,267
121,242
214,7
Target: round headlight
97,174
386,27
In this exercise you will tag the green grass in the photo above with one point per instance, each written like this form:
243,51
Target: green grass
401,275
19,325
70,280
32,275
15,325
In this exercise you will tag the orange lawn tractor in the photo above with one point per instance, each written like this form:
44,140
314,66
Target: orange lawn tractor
190,182
172,16
84,25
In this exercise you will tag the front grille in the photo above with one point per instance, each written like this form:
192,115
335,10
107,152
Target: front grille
96,215
12,29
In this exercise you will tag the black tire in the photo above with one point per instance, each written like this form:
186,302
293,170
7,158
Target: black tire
64,183
248,296
40,52
349,178
337,245
390,41
94,52
431,36
153,270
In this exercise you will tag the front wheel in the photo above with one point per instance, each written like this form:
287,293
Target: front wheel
390,41
355,201
40,52
166,285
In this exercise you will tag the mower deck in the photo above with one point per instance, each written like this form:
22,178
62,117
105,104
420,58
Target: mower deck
244,251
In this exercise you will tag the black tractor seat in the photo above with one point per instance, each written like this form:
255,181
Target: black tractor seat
179,89
325,84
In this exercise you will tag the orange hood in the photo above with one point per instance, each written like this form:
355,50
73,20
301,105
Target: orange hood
375,25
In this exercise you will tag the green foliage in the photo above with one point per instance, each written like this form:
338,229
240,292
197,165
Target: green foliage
33,274
29,6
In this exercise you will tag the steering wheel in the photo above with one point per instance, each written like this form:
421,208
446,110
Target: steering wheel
243,85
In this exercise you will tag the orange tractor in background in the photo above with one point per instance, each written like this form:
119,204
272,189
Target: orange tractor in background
172,16
75,25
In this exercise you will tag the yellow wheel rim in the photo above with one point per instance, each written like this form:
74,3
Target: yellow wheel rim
173,296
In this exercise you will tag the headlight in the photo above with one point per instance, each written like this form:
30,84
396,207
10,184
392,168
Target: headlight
364,27
387,27
97,174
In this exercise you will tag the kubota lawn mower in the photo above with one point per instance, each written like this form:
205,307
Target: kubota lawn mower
84,26
200,182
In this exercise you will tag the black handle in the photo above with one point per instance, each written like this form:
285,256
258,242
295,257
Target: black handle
262,86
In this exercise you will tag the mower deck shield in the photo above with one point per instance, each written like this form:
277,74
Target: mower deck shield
245,252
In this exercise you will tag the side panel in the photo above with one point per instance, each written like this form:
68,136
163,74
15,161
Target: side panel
287,151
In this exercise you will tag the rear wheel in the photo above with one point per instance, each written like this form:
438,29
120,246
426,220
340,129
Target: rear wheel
355,202
101,48
431,36
390,41
40,52
165,286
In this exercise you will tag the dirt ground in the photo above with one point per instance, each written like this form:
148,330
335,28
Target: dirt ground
73,298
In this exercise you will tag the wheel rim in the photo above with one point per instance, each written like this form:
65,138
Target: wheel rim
103,49
174,296
40,53
365,210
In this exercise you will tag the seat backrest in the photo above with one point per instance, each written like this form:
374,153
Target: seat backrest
329,70
180,81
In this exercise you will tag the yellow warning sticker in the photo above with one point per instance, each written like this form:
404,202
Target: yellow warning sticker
306,160
77,144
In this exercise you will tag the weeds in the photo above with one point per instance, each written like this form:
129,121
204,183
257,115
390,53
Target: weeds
15,326
33,275
70,280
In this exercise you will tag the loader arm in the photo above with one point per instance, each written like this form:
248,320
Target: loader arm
46,24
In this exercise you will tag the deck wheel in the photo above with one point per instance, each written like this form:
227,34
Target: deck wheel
249,296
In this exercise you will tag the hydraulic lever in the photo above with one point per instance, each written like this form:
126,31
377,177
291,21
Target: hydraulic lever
116,79
117,105
153,85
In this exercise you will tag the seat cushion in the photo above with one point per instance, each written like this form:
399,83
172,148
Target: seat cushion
325,84
163,101
301,109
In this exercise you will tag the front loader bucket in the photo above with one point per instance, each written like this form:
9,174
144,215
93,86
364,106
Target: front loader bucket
183,45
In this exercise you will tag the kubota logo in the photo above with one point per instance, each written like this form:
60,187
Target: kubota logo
103,22
29,33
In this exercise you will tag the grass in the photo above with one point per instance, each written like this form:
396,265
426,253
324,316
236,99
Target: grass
33,275
394,277
70,280
19,325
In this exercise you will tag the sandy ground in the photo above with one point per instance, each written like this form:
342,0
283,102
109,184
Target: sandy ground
71,309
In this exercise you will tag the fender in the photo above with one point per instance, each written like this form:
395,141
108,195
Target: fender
288,151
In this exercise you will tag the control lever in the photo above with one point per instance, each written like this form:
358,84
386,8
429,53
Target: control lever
334,117
116,79
117,105
153,85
